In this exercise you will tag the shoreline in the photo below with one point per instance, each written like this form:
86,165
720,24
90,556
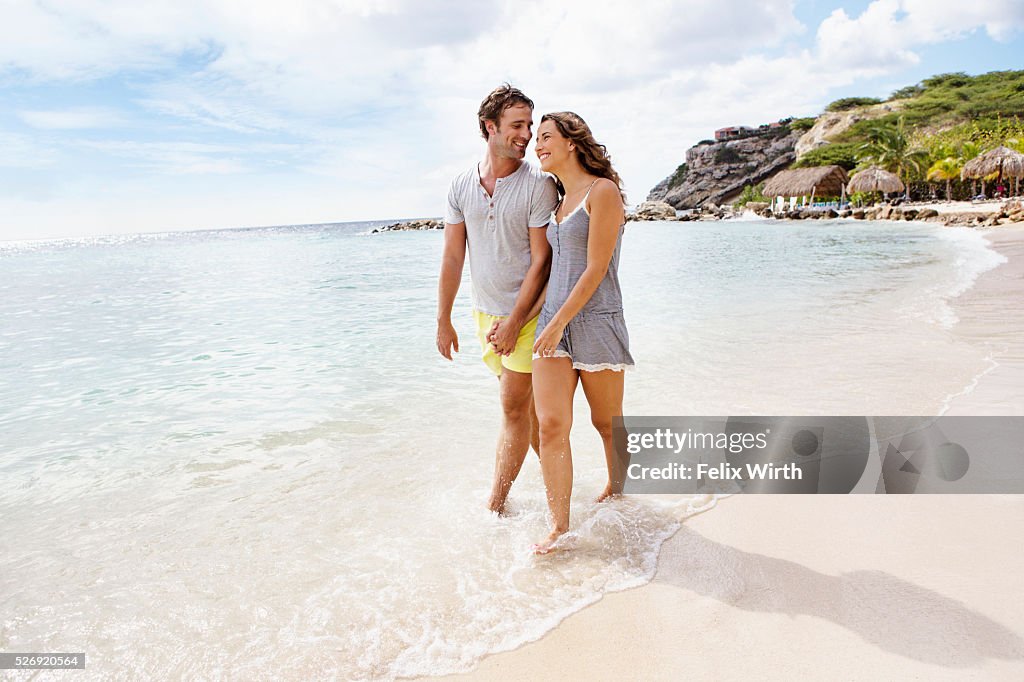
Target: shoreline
990,213
985,318
893,600
732,596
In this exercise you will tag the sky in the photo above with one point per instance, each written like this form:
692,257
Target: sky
141,116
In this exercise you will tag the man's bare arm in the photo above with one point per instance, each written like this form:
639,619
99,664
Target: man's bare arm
452,262
506,333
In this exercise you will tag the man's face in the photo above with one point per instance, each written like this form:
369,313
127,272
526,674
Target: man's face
513,132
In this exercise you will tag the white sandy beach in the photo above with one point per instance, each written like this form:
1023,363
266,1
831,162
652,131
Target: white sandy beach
852,587
987,206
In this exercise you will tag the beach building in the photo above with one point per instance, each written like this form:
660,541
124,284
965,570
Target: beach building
737,132
801,185
733,132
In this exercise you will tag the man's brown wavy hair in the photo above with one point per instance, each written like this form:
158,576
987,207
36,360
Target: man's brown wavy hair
495,104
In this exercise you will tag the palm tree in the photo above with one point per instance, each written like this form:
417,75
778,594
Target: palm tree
943,150
889,147
968,150
946,169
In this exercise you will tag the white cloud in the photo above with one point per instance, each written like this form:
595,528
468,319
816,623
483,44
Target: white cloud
874,42
932,21
78,39
175,158
884,36
374,100
204,101
25,151
569,48
74,118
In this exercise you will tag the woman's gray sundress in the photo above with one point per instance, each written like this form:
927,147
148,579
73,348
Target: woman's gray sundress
596,338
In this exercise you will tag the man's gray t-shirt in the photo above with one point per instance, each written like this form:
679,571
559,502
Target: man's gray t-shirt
498,230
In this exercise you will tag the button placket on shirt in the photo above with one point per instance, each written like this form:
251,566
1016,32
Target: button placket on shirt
558,236
490,202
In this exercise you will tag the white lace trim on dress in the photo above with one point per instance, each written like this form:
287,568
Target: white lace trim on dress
557,353
601,366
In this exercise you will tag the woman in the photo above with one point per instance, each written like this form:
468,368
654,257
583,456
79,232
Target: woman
584,338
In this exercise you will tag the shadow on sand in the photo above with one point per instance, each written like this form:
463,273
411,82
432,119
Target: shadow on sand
891,613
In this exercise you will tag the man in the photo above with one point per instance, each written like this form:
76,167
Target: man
499,210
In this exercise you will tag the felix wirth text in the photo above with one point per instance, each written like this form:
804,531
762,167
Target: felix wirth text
667,439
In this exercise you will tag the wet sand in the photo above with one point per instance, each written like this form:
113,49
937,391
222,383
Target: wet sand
992,314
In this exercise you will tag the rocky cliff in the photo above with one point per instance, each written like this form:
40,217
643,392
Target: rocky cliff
716,172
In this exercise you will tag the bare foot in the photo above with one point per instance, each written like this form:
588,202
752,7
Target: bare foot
499,509
608,493
548,546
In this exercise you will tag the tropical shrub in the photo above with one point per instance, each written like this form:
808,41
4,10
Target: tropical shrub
751,193
802,123
727,155
851,102
678,176
838,154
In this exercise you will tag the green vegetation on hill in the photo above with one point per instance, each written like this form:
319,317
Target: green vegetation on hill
953,99
852,102
802,123
956,97
840,154
678,177
940,124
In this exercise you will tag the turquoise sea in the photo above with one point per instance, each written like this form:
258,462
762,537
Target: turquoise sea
237,453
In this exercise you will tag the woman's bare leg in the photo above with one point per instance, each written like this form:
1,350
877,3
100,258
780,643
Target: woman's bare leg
554,384
604,391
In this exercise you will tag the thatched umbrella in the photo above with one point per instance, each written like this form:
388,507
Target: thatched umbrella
874,179
1001,160
799,182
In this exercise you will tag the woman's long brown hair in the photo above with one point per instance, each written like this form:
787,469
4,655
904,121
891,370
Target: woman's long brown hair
592,156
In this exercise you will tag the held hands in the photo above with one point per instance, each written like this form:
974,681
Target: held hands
447,339
503,336
548,340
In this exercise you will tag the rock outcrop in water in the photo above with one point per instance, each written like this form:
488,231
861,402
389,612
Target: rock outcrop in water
421,224
653,210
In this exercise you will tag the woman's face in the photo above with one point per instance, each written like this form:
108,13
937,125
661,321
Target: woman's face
552,148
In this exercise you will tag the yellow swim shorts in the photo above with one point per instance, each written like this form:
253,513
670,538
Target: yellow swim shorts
521,359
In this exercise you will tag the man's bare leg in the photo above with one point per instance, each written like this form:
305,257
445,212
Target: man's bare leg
514,439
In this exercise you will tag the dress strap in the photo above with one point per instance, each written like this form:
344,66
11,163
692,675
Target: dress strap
587,196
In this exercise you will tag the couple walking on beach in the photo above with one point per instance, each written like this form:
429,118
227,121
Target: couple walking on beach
543,252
